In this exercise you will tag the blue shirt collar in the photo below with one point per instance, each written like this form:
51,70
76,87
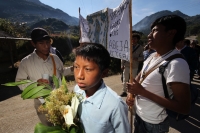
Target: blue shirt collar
97,98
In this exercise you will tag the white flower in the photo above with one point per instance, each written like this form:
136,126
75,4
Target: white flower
74,105
69,112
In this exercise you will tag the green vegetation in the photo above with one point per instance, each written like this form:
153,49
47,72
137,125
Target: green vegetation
13,29
193,29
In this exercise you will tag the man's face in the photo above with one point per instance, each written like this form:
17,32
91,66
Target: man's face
43,47
87,74
157,37
134,40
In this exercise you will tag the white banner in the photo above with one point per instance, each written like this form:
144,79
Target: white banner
98,25
111,28
118,44
84,30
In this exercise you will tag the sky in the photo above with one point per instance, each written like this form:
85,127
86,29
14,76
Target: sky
140,8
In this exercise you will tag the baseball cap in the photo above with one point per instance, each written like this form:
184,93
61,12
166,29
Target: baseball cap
38,34
136,35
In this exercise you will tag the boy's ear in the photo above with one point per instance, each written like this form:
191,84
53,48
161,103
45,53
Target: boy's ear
33,43
105,73
172,32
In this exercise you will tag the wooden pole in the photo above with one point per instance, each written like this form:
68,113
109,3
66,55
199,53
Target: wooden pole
131,63
80,26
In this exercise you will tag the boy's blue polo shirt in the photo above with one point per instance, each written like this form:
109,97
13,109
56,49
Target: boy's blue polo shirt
103,112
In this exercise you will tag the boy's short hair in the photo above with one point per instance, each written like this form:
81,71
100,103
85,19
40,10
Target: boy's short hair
136,35
96,53
172,22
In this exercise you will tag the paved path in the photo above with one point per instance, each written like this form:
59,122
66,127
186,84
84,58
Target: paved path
19,116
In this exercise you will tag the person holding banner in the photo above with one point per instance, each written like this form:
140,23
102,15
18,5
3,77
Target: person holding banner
125,65
150,102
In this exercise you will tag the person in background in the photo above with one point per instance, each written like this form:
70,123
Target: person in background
189,54
147,52
53,50
150,102
125,65
196,47
41,62
102,110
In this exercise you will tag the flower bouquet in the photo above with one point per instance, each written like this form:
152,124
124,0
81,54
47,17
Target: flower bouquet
60,106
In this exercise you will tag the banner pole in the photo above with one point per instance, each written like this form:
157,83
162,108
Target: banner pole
131,64
79,10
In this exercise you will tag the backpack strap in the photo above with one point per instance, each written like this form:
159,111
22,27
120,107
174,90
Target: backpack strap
54,65
162,70
148,72
136,48
158,65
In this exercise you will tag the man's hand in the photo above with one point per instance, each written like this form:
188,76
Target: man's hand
130,100
45,81
134,88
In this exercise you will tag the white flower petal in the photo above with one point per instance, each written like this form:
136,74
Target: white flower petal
67,114
74,105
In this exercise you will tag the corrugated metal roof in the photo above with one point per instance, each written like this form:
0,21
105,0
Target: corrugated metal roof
13,38
4,35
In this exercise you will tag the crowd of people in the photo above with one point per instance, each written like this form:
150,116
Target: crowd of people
102,110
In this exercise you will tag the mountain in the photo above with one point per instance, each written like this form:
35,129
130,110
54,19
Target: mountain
144,24
54,24
31,11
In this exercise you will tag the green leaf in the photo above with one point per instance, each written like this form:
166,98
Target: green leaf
32,92
64,83
72,130
28,88
40,128
46,85
55,81
76,129
41,93
17,83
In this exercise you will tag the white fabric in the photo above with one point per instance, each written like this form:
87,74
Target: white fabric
84,28
32,67
110,28
98,27
52,50
118,44
176,71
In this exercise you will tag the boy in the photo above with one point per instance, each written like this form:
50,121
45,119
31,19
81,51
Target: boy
150,102
102,110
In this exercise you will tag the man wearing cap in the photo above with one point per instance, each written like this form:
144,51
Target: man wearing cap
41,62
125,65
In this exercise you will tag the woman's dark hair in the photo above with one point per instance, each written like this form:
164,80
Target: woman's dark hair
96,53
172,22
